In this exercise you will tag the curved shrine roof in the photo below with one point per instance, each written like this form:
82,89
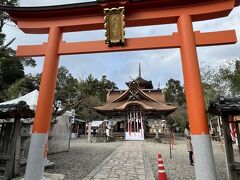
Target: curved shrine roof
145,105
147,100
142,83
134,86
153,93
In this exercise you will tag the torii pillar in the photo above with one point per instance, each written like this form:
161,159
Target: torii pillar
201,140
39,138
89,16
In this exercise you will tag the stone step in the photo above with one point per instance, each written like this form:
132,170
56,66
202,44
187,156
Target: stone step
48,176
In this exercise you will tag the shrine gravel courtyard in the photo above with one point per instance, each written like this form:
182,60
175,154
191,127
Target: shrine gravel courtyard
178,167
85,160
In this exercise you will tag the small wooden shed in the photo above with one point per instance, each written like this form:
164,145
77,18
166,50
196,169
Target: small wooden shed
10,116
229,109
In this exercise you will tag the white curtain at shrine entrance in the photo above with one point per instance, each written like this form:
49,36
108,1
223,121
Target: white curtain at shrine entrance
135,129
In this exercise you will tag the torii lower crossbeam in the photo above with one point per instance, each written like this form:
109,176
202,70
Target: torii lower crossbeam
133,44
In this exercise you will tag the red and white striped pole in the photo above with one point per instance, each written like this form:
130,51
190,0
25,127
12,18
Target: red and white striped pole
161,170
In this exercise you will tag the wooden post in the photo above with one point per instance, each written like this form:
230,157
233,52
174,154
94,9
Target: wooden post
70,133
228,144
238,136
170,142
12,149
18,151
124,125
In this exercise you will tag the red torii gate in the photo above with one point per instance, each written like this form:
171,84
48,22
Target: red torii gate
56,20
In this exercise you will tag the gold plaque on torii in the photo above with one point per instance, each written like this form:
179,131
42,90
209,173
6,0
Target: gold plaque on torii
236,118
114,25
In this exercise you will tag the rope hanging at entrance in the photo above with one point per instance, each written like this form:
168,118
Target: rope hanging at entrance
141,124
129,123
134,118
137,121
134,122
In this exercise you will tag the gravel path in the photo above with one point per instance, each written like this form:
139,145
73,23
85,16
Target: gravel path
82,159
178,167
85,157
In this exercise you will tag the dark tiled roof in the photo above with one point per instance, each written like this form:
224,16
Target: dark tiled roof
225,105
144,84
19,110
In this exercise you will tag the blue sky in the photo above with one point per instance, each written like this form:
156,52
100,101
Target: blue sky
157,65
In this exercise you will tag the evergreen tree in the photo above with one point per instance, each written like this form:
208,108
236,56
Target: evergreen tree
11,67
95,93
104,86
174,92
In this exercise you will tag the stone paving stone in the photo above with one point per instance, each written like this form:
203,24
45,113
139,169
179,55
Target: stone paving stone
140,171
131,172
142,177
112,175
105,171
126,164
121,172
101,176
115,168
107,167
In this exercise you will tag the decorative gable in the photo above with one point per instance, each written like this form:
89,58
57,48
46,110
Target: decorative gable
134,93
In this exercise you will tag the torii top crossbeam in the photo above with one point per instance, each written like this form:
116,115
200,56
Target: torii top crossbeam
56,20
89,15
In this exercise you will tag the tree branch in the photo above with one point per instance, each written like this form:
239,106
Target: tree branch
8,44
68,106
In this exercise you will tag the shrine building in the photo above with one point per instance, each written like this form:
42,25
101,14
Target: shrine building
133,112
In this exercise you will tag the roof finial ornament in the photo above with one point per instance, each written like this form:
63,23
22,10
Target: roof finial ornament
139,70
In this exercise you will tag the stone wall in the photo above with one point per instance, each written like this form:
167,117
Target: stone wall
59,136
